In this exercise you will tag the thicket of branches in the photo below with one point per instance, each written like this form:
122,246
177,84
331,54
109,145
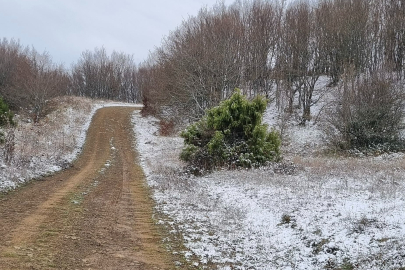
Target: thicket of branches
28,79
268,48
98,75
369,113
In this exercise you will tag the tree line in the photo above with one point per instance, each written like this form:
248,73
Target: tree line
273,49
29,79
263,47
98,75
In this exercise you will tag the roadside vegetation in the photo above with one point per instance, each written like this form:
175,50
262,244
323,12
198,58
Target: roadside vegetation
321,92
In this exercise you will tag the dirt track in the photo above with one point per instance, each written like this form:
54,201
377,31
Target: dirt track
95,215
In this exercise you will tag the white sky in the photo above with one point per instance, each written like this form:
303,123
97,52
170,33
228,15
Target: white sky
66,28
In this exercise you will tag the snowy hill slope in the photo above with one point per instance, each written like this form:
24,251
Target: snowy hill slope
311,212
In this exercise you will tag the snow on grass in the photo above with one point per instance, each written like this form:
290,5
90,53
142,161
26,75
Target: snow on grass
52,144
312,212
324,213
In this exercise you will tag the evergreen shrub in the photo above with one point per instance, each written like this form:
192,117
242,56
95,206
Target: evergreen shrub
6,116
231,135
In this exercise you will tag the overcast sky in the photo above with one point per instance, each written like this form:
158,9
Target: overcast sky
66,28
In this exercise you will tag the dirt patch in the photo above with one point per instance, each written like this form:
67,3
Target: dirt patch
95,215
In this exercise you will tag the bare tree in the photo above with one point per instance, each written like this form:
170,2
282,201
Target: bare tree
44,82
370,111
14,66
29,79
200,63
395,34
261,22
297,54
98,75
343,35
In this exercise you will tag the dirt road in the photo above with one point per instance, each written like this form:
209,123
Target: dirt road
95,215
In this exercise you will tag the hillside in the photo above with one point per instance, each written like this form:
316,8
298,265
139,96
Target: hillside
315,210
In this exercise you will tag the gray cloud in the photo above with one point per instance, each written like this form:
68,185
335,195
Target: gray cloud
66,28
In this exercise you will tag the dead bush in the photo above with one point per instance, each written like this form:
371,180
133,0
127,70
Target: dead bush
369,113
166,127
9,146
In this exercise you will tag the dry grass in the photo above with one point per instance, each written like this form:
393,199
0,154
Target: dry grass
54,135
322,166
52,142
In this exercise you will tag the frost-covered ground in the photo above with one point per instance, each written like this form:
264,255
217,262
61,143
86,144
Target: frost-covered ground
50,145
310,212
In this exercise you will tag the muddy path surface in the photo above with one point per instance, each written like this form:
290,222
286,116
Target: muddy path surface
95,215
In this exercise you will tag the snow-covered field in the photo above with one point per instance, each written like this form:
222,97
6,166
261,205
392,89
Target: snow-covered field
50,145
307,213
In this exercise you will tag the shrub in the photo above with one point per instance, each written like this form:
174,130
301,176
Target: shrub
147,108
231,134
6,116
370,114
166,127
6,119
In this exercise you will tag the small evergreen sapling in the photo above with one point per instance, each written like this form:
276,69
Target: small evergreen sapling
6,118
231,135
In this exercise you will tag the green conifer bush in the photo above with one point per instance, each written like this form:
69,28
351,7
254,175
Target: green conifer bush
231,135
6,116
